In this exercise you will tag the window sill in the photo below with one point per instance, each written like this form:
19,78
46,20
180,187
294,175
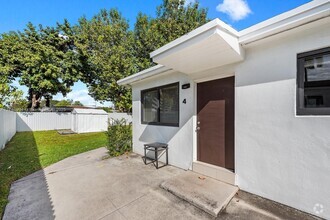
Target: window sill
161,124
313,112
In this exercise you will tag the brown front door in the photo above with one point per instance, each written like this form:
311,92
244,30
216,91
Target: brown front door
215,122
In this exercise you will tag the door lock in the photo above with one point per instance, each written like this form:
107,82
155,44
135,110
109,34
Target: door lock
198,128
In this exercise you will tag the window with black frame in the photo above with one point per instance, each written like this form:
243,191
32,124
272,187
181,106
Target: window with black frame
313,83
160,105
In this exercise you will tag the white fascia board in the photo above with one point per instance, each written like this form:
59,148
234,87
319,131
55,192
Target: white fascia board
152,71
216,23
303,14
306,13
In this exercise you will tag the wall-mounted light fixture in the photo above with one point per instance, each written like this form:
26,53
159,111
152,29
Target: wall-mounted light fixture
185,86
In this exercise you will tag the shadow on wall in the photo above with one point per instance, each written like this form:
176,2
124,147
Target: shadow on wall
262,75
269,63
155,133
179,140
7,126
38,121
20,123
29,197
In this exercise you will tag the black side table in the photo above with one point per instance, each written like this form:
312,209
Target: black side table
155,147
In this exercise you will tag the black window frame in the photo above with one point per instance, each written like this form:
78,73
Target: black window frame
301,109
158,88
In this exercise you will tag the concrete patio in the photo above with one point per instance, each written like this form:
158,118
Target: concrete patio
88,186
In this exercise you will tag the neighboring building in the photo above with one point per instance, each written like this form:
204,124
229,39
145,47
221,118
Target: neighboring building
251,108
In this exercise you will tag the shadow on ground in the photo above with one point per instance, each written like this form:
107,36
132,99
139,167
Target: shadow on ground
248,206
87,186
20,158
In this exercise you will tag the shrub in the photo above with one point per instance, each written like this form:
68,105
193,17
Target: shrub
119,137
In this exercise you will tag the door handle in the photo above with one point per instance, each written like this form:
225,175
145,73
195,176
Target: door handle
198,128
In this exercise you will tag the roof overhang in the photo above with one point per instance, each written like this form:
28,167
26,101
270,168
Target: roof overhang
211,45
147,73
216,46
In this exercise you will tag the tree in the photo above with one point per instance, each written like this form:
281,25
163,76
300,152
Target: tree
44,59
98,51
105,44
10,97
110,51
8,70
173,20
77,103
64,103
18,103
106,109
6,92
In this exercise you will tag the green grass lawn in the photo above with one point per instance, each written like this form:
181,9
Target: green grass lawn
30,151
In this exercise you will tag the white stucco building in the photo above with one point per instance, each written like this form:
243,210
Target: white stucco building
257,110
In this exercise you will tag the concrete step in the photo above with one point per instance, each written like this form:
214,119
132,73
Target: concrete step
208,194
215,172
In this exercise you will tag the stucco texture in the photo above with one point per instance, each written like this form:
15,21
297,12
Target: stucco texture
279,155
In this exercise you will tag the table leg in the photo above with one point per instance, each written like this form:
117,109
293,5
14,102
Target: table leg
156,155
145,156
166,156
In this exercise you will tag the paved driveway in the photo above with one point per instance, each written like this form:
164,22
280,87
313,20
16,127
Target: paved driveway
87,187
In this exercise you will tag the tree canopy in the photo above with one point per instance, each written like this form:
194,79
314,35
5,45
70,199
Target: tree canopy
64,103
8,71
105,44
112,51
77,103
98,51
10,97
43,59
173,20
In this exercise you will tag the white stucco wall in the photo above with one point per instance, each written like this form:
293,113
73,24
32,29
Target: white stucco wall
279,155
179,139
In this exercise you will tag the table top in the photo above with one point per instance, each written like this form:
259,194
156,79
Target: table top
156,145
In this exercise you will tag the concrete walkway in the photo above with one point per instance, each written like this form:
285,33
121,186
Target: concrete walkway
86,186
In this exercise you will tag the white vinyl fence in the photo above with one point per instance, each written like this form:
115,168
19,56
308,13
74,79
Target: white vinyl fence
7,126
10,122
89,120
118,115
42,121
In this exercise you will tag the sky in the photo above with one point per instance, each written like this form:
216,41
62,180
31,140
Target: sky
240,14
